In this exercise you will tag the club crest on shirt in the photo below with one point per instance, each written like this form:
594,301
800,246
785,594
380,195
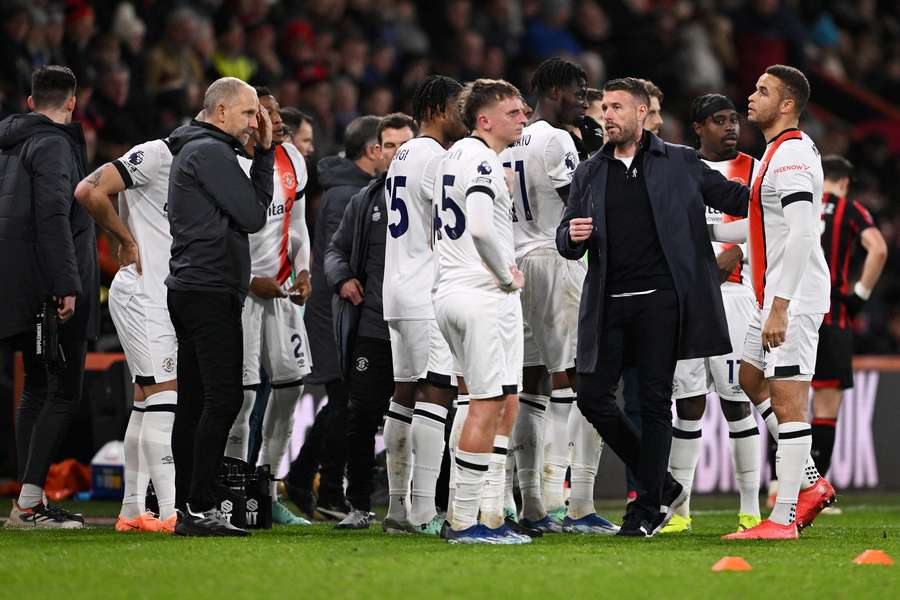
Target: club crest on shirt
484,168
362,364
168,364
136,158
570,161
288,180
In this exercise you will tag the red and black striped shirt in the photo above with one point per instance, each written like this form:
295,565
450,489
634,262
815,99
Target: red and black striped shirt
842,222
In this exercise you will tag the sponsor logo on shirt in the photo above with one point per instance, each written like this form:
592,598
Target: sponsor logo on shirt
484,168
570,161
787,168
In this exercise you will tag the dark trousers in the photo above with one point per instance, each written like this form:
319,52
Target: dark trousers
210,365
371,385
639,330
48,404
631,394
325,448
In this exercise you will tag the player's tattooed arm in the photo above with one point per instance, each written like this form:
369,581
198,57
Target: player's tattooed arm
93,193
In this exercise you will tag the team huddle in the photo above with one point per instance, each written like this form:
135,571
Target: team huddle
482,300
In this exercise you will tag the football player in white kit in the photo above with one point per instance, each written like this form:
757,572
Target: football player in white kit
414,426
543,162
476,302
137,304
792,288
274,333
717,125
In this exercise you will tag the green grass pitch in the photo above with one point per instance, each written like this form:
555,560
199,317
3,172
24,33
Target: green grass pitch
320,562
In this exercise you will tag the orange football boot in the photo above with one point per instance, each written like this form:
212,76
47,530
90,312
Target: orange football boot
168,525
125,525
766,530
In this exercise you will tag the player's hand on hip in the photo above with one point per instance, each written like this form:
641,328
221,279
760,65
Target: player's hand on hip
128,254
774,331
302,288
263,128
580,229
65,308
266,288
352,291
518,280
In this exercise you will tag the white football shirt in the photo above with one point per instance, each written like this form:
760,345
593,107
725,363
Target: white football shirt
743,169
795,166
408,259
143,207
271,248
542,162
469,164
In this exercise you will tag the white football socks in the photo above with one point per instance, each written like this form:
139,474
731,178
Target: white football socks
133,499
278,426
586,447
810,473
494,484
428,423
398,450
239,436
459,419
509,498
745,457
556,448
686,445
471,469
156,450
31,495
528,447
794,444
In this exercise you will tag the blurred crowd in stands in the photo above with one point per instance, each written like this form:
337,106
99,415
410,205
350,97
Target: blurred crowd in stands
142,66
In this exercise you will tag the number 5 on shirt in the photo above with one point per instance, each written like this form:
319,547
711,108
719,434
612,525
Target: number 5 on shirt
447,203
397,204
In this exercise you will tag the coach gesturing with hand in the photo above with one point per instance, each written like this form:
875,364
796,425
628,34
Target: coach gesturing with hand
651,295
213,206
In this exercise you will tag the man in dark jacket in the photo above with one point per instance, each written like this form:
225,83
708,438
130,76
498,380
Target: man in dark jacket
47,251
213,206
354,267
325,447
651,295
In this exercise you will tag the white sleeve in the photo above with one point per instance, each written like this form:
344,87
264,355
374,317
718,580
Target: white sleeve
792,170
138,165
732,232
560,159
801,239
480,211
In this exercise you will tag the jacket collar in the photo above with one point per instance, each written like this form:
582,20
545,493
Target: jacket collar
649,142
220,134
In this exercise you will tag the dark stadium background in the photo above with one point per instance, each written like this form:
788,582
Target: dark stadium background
142,67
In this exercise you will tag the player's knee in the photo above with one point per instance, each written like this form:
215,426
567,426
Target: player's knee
690,409
735,411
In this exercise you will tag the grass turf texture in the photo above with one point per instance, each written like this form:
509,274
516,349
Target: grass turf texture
320,562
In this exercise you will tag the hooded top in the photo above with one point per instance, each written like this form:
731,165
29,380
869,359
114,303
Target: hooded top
213,206
47,241
341,179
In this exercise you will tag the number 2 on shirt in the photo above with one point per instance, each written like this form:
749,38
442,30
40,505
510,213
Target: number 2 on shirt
519,168
397,204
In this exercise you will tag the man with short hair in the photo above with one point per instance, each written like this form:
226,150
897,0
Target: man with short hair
48,261
476,303
654,121
846,221
651,294
213,207
717,126
354,266
298,129
275,338
791,286
325,447
422,362
137,305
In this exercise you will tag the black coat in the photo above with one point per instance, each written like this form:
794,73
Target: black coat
47,241
679,184
346,258
213,207
341,180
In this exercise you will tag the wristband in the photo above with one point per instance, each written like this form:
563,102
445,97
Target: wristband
862,291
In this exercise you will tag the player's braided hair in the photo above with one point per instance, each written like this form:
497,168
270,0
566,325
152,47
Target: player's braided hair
431,95
555,73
